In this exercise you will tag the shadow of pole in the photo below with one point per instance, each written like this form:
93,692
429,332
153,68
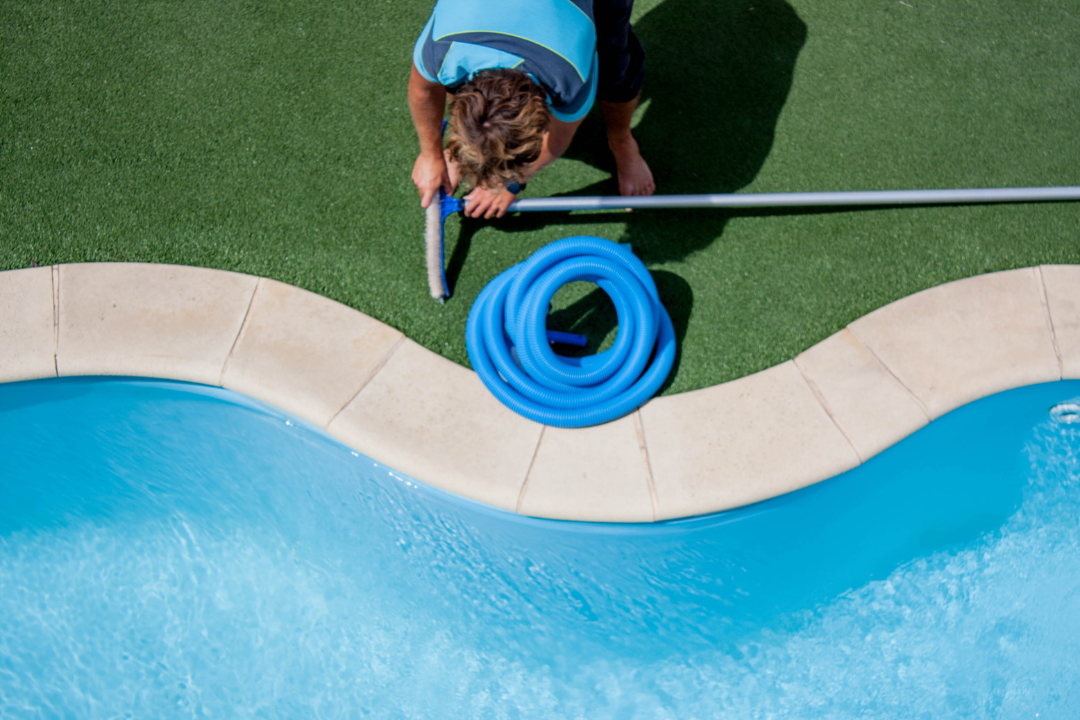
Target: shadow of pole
718,74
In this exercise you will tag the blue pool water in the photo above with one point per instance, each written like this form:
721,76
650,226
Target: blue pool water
172,550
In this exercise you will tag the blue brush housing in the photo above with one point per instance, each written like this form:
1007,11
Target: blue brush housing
448,205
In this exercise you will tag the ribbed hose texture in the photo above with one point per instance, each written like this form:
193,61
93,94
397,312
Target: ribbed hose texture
506,337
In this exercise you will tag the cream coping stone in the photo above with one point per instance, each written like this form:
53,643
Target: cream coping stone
305,353
433,419
27,325
1062,283
867,402
802,421
597,473
737,443
955,343
165,321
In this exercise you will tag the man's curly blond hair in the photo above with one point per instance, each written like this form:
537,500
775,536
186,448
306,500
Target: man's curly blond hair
497,125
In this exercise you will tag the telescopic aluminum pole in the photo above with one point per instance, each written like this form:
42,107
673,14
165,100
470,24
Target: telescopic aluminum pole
801,199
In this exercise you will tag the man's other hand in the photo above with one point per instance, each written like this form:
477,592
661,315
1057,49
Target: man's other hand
429,174
485,203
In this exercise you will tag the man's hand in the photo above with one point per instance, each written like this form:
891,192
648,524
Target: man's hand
485,203
429,174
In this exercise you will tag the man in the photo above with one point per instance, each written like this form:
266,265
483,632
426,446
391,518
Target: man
522,75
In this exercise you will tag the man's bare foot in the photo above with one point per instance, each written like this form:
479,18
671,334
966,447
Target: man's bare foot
635,177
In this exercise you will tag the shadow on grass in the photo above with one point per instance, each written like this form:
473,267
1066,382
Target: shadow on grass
454,266
594,317
718,75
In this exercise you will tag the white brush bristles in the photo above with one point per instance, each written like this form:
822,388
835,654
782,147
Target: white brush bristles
433,240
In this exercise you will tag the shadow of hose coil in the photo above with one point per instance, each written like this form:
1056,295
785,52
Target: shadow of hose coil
511,312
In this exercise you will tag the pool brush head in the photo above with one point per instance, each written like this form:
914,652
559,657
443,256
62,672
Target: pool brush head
433,243
436,213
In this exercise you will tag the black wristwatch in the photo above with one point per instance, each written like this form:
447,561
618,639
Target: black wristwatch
515,187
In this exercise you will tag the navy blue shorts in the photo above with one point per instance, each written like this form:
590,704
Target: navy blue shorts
622,59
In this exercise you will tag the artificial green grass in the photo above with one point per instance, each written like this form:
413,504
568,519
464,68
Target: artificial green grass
274,139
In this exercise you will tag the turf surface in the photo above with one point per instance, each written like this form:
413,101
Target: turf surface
274,139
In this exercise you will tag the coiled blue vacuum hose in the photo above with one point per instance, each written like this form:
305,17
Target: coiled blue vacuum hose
509,318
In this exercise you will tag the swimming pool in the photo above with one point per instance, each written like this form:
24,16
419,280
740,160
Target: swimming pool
169,549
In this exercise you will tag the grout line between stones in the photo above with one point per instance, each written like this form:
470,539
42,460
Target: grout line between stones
55,276
528,473
378,367
918,401
239,333
825,406
639,426
1045,300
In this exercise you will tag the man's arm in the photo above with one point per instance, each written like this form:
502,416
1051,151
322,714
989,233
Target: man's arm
427,101
494,202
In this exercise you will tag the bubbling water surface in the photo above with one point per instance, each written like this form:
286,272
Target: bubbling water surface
170,550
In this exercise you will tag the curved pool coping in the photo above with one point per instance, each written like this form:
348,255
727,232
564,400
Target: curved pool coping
826,411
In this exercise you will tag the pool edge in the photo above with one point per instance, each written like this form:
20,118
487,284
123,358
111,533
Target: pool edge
825,411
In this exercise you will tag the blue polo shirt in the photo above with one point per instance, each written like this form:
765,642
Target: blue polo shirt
554,41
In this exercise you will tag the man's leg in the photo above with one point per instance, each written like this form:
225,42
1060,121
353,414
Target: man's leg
622,70
635,178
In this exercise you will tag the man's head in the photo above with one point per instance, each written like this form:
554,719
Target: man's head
497,125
